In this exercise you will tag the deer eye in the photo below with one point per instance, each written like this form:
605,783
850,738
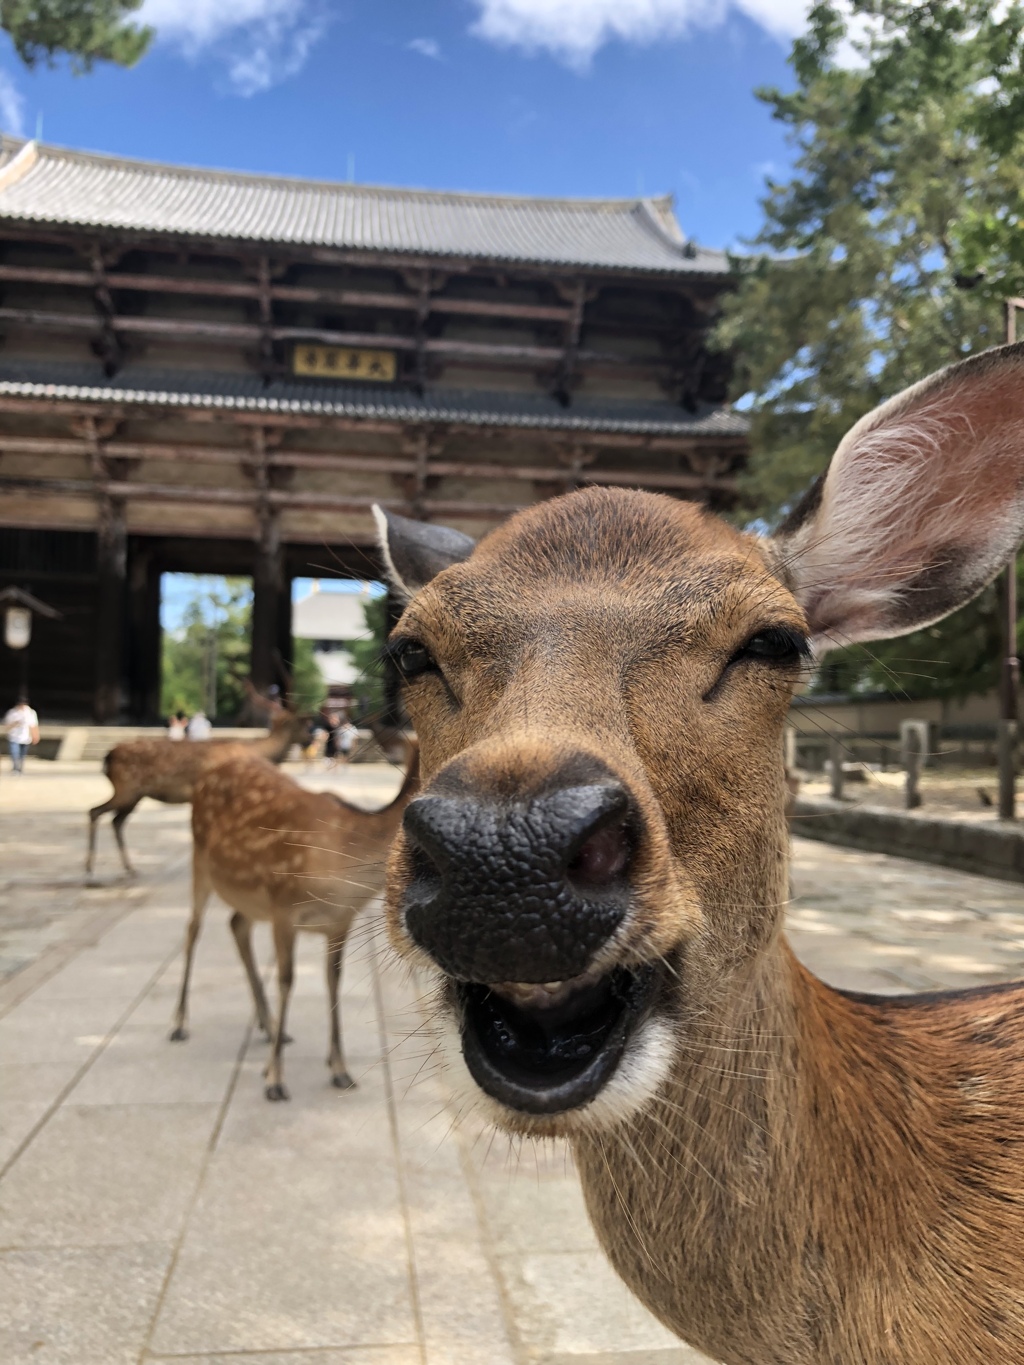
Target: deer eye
776,645
411,658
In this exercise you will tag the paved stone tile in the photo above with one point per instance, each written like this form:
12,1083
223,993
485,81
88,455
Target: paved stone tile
17,1119
106,1175
284,1252
56,1032
449,1245
141,1067
356,1355
78,1306
673,1355
572,1303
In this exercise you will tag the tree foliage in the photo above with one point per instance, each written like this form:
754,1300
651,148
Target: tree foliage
885,256
368,657
86,31
308,686
206,662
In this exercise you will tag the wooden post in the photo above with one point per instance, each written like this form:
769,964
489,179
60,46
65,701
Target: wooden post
912,756
268,586
835,756
789,751
111,564
144,635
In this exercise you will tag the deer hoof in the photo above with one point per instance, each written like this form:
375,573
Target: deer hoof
343,1081
179,1034
276,1092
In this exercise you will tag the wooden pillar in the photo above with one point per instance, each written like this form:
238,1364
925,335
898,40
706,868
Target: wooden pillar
284,649
268,584
111,564
144,634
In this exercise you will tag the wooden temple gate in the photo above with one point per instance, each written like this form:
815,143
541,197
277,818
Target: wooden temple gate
208,372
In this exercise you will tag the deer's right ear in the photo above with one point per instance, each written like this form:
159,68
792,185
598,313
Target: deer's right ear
416,551
922,505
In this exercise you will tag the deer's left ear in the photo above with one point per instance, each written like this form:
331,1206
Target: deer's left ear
922,505
416,551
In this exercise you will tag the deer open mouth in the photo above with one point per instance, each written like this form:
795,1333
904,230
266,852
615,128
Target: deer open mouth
547,1049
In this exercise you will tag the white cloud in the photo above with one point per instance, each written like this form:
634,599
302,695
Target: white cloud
12,106
426,47
573,30
261,42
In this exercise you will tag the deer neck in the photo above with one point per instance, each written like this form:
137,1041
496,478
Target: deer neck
770,1206
274,746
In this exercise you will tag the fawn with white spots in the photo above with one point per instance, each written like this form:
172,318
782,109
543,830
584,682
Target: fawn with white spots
298,860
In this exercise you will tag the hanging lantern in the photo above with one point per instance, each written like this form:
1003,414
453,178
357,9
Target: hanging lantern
17,627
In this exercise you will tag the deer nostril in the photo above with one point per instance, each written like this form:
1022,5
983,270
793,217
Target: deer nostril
602,858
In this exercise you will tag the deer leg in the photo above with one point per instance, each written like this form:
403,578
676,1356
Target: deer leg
118,822
242,930
201,890
94,816
284,947
336,1058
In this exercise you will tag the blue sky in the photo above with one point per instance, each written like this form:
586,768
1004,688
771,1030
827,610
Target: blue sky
587,97
177,591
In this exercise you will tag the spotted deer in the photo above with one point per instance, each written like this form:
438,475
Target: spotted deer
596,872
167,770
297,859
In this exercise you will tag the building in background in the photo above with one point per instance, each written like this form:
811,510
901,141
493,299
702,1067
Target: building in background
332,621
208,372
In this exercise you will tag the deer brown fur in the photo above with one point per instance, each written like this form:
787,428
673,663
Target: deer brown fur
296,859
786,1174
167,770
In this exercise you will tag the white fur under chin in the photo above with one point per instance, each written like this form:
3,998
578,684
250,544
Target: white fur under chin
642,1070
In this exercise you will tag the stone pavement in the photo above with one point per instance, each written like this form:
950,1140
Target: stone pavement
153,1206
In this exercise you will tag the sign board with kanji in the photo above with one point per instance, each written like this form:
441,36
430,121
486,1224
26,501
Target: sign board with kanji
345,362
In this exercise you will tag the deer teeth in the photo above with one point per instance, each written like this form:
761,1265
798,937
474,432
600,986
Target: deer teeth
541,995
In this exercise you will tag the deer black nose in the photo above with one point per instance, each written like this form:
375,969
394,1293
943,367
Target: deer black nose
518,891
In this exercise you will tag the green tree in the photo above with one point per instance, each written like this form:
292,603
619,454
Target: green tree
207,659
368,657
308,686
86,31
879,260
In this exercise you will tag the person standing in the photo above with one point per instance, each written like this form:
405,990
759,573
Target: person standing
199,726
22,731
177,725
345,738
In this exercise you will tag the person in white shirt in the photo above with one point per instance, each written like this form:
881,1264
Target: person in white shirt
22,730
177,726
199,726
345,738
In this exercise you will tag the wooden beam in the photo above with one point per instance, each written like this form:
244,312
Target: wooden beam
284,293
421,466
189,329
236,497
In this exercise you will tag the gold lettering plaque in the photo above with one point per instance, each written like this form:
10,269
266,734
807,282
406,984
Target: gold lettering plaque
345,362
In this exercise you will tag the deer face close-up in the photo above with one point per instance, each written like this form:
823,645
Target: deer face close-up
601,689
595,877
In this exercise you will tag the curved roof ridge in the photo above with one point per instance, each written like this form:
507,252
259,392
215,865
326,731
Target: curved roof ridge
51,151
40,183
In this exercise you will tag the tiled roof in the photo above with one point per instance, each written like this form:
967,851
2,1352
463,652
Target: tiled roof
70,382
45,184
